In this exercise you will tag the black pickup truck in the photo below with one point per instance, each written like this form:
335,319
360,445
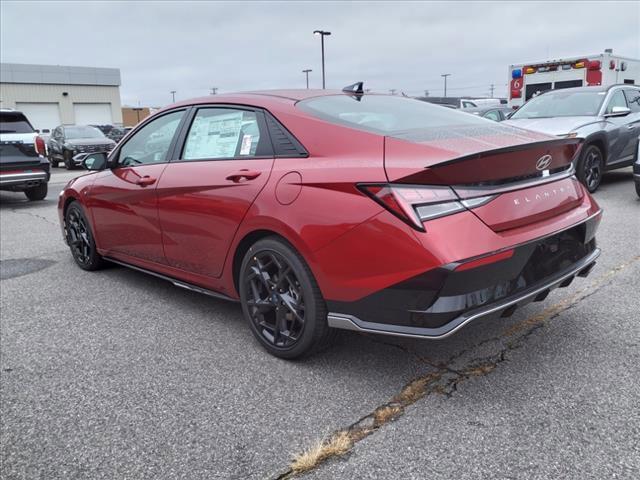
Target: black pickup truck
23,163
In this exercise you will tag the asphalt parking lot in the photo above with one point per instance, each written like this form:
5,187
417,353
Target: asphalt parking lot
116,374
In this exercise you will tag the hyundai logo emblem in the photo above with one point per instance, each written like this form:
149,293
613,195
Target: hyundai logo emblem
544,162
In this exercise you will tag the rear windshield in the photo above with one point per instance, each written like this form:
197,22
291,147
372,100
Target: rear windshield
14,122
385,114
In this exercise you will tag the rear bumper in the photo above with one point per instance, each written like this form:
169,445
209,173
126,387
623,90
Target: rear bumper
439,302
21,180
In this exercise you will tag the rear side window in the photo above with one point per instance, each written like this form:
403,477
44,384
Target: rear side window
384,114
14,122
218,133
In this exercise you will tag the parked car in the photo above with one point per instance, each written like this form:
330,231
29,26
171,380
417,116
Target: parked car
116,134
23,165
45,133
606,118
71,144
452,102
319,209
489,102
112,132
493,112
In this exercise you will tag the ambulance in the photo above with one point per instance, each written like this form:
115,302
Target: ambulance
530,79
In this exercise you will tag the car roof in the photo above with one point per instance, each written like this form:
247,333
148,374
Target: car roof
263,96
273,100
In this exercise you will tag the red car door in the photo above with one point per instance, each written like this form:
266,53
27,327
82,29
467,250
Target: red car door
124,202
204,194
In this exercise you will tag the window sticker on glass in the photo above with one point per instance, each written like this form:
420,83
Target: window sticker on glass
245,148
214,136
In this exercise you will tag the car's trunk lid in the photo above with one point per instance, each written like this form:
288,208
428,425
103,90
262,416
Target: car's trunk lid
477,161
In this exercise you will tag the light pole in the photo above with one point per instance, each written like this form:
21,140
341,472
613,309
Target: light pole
173,95
322,34
306,72
445,75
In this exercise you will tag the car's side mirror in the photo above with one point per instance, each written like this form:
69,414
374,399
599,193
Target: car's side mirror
618,112
95,161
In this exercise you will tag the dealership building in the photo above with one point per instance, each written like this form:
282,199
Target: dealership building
52,95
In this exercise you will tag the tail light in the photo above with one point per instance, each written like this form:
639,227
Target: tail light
39,144
416,204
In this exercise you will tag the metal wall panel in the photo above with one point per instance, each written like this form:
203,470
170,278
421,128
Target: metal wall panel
58,74
10,93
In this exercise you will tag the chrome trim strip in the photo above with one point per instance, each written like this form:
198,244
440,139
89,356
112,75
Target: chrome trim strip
497,189
9,178
349,322
636,175
177,283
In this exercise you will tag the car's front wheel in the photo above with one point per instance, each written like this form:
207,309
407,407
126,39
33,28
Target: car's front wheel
591,167
80,239
68,160
282,301
37,193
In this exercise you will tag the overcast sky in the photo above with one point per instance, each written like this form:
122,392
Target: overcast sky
192,46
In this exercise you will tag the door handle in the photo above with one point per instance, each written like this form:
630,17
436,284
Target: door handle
631,127
237,177
145,181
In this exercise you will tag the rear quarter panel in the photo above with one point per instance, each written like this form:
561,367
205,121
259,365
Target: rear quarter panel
312,201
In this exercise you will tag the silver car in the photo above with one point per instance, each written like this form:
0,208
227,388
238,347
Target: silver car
607,118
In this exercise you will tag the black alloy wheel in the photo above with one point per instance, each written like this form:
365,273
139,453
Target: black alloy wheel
591,167
80,239
281,300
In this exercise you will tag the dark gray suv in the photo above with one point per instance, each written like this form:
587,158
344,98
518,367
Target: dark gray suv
607,118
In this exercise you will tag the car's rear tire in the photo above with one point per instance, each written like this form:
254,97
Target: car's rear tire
37,193
638,188
68,160
281,300
80,239
591,167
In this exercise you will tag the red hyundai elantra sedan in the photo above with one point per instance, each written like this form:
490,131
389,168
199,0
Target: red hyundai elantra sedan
321,210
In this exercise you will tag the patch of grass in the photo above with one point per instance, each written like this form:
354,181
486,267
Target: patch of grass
384,414
480,370
337,445
415,390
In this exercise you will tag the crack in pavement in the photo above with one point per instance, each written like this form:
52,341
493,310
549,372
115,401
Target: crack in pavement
442,379
34,215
